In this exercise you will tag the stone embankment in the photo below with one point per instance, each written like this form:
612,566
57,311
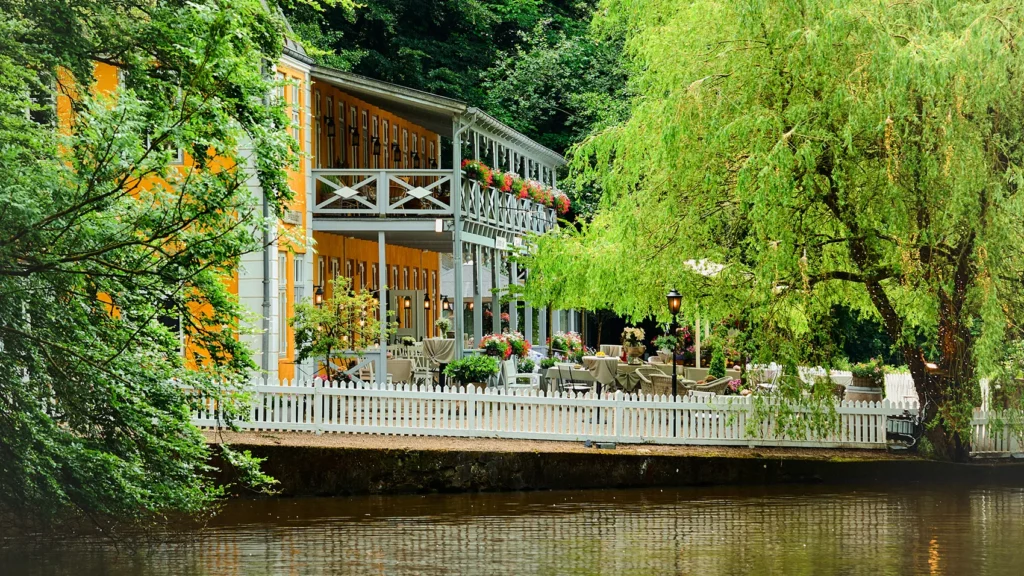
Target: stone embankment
344,464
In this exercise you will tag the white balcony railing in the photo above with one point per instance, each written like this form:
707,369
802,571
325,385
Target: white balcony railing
405,192
354,192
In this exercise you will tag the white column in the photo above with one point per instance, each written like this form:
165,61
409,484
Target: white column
513,308
496,288
457,304
696,340
478,299
382,362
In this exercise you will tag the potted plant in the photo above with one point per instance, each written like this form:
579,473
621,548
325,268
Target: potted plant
408,341
716,369
526,365
478,171
868,383
633,343
518,343
666,345
443,325
546,363
472,370
496,345
567,344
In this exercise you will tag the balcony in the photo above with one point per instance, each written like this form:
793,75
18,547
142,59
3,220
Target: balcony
424,193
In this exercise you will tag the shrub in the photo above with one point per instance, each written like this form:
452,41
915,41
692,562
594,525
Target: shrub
472,369
546,363
873,370
526,365
716,368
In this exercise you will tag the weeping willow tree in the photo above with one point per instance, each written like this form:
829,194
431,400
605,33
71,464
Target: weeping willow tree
865,153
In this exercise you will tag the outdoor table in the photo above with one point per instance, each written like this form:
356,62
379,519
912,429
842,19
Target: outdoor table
614,350
400,369
439,351
581,374
603,368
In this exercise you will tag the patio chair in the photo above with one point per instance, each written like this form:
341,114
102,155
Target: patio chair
513,379
654,382
567,382
717,386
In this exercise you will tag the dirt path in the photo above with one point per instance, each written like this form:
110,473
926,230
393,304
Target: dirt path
383,442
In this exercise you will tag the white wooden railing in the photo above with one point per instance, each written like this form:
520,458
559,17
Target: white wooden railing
430,411
412,192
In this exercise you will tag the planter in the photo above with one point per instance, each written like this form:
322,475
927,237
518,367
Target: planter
857,393
634,353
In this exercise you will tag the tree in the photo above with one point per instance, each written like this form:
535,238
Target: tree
113,259
345,321
826,153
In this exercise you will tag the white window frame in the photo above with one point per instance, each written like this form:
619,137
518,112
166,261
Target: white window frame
316,120
282,304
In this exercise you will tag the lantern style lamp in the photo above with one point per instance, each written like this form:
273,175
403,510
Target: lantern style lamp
408,302
415,159
470,305
329,124
675,301
318,296
433,164
353,133
396,154
375,142
445,304
426,301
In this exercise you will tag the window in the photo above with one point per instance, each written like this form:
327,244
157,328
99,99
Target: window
321,265
330,141
342,131
405,279
433,282
296,122
394,278
375,277
335,268
282,304
364,136
316,130
298,278
280,88
432,162
376,136
384,150
352,123
405,148
349,272
423,281
361,272
413,154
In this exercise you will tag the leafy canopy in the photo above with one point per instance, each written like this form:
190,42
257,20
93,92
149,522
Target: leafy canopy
110,253
826,152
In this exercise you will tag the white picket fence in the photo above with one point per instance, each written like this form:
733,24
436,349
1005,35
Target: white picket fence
988,438
430,411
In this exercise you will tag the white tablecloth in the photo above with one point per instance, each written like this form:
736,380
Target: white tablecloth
603,369
439,350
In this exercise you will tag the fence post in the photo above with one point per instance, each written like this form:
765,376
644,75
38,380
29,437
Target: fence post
471,408
317,399
620,411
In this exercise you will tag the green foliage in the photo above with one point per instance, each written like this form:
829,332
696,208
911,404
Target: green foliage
472,369
716,369
666,342
872,370
824,153
546,363
526,365
102,269
346,322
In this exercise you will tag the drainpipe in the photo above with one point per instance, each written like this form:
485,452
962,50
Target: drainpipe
266,284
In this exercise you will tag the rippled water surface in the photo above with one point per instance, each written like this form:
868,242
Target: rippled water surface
787,530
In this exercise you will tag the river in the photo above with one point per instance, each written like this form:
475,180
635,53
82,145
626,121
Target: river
792,530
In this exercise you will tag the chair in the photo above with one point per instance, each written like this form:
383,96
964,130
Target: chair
717,386
568,382
654,382
512,378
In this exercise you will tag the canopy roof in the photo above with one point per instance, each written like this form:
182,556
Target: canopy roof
433,112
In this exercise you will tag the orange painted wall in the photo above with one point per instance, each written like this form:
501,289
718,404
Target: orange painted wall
295,96
346,252
343,153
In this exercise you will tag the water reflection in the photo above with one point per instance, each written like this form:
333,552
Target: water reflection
788,530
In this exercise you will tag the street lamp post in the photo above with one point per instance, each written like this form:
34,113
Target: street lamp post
675,300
